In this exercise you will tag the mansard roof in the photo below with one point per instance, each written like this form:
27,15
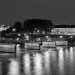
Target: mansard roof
64,26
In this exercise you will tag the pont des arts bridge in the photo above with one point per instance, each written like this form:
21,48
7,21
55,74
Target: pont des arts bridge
69,38
56,37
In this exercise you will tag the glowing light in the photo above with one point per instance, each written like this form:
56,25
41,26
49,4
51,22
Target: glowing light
14,67
26,62
17,39
61,54
47,62
0,68
46,55
71,36
61,61
43,32
47,37
59,48
18,50
38,31
66,53
38,39
68,34
38,68
71,54
61,36
19,34
71,59
14,29
27,37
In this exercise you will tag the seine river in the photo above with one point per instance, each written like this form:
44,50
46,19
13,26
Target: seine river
51,61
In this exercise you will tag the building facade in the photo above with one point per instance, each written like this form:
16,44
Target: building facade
63,30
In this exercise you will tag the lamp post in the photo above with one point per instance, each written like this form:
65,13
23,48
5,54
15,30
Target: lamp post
13,29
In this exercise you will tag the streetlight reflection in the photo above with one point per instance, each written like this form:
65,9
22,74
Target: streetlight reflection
61,61
38,68
47,62
71,59
14,67
26,62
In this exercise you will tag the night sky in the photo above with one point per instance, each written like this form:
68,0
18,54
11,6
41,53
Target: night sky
59,11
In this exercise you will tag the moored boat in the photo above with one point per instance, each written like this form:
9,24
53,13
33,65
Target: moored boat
32,46
7,47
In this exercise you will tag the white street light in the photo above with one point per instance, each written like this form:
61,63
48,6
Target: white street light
61,36
14,29
27,37
19,34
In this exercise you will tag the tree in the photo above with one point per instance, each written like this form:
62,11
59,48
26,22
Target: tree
31,24
18,26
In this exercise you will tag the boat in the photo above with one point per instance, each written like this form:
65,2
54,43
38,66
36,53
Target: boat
61,41
32,46
48,44
7,47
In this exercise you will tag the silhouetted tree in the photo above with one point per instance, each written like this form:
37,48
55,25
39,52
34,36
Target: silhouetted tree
31,24
18,26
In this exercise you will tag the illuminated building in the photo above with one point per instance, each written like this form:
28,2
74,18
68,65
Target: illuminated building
64,30
3,27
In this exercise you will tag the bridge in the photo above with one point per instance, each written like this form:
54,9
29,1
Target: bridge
56,36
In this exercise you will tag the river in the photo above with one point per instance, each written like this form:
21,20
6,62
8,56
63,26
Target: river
52,61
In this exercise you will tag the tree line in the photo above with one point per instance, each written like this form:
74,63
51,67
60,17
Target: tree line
29,25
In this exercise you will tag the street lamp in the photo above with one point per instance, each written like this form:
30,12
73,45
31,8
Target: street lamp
19,34
38,39
17,39
43,32
13,29
47,37
61,36
27,37
71,36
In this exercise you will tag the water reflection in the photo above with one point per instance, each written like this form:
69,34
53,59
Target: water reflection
38,66
61,61
54,65
0,67
18,50
14,67
66,53
71,60
47,62
71,54
26,63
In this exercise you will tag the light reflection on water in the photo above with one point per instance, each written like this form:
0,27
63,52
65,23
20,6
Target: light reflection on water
59,61
71,60
71,54
38,66
53,60
26,63
47,63
14,67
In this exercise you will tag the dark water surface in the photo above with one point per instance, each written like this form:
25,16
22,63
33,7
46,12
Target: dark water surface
53,61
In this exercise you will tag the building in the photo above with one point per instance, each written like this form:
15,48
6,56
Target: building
3,27
63,29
